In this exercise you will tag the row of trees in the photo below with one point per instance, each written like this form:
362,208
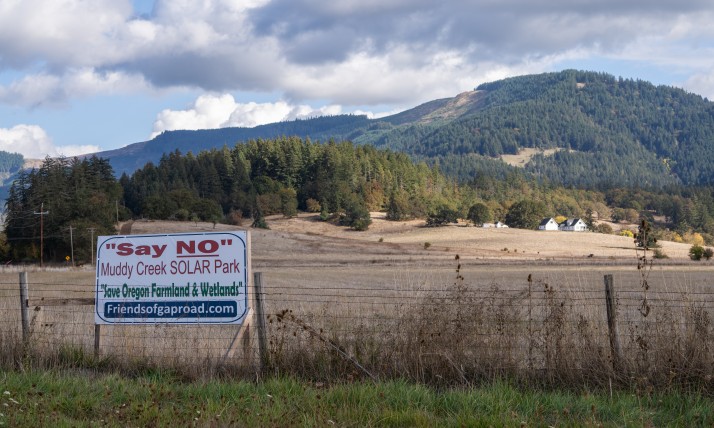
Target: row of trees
263,177
281,176
66,202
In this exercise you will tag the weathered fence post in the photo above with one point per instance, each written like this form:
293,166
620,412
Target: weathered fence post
612,323
97,337
24,309
260,319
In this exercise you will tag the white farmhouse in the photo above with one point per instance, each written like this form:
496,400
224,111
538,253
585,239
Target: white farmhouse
548,224
573,225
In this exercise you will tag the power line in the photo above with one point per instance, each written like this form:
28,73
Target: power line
71,243
91,241
42,215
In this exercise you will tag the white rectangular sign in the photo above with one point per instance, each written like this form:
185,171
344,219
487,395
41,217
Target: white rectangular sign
186,278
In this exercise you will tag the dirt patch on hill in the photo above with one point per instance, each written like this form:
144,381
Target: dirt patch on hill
525,155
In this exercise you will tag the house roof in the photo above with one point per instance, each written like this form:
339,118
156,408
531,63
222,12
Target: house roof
546,221
570,222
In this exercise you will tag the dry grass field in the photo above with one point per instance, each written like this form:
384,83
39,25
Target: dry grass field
502,299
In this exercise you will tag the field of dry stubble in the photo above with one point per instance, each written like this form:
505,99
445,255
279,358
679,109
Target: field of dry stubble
334,279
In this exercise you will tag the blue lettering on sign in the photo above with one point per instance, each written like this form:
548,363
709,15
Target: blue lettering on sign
170,310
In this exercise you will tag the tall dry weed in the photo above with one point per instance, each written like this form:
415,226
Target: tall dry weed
543,329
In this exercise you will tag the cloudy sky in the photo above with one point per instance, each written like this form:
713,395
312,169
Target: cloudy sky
80,76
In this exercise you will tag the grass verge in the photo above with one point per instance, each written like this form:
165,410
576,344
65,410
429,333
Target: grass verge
66,398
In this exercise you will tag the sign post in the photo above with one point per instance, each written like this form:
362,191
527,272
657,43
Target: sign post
188,278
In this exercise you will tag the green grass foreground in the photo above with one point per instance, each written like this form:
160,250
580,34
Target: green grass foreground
88,399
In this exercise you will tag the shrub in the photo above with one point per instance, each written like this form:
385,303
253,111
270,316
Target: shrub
259,220
182,214
693,238
270,203
356,214
324,214
708,253
442,216
313,206
603,228
696,252
627,233
235,218
659,254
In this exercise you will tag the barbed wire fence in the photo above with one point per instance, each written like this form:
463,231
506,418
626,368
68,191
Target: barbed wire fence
453,333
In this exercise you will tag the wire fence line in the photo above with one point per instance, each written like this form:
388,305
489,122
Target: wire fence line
454,332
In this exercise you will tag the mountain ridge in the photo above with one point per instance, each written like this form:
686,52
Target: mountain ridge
617,132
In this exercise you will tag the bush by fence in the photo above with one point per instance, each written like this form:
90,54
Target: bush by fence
437,333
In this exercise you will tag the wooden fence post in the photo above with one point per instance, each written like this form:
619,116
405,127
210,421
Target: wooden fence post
612,323
260,319
97,337
24,309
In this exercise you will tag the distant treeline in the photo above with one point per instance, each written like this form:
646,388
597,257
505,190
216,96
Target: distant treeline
341,181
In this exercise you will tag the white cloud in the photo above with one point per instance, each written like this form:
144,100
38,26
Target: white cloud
225,45
61,33
350,53
32,142
36,90
400,78
221,111
702,84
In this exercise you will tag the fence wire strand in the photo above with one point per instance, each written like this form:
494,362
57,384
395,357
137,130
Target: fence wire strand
426,332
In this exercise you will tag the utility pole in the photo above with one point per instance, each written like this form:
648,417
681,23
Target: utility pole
116,204
42,215
91,242
71,244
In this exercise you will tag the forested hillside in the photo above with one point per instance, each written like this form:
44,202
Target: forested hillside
612,132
